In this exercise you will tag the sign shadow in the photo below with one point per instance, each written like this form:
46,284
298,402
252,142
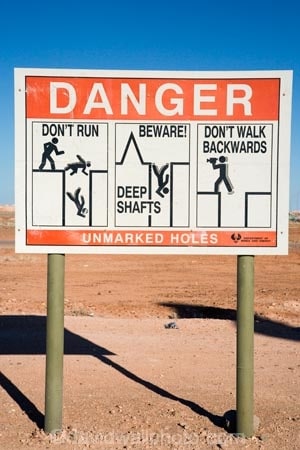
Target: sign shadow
262,325
26,335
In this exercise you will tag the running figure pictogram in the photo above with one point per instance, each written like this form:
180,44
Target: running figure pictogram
162,179
50,147
82,164
223,174
79,202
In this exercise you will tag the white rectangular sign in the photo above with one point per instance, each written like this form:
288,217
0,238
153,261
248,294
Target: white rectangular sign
152,162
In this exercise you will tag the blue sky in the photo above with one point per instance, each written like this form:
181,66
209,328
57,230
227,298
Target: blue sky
157,34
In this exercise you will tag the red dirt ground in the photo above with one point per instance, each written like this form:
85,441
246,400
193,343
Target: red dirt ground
129,382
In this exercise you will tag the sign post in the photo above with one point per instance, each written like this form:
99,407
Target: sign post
245,345
54,343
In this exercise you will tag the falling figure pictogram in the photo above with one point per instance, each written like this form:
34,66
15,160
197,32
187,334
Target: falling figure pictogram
79,202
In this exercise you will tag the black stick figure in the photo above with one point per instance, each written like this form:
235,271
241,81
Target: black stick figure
50,147
162,179
223,174
74,167
79,202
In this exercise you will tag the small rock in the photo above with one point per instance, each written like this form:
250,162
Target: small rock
263,437
239,435
171,325
256,423
230,422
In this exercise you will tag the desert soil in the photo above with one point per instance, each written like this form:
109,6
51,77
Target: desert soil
130,382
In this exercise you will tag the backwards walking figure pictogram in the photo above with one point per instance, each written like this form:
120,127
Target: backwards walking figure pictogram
50,147
222,166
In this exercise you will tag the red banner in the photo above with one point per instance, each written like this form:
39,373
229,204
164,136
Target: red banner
151,99
148,238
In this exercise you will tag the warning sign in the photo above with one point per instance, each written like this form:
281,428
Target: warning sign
152,162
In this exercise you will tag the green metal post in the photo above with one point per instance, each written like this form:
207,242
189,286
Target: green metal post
54,343
245,345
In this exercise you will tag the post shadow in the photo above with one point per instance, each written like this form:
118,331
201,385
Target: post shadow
24,403
26,335
215,419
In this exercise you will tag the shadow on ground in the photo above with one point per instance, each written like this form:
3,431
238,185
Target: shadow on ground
262,325
26,335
